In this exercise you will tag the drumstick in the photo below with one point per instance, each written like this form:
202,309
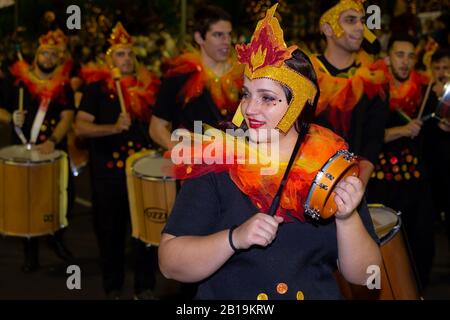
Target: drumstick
404,115
427,93
19,54
116,76
21,96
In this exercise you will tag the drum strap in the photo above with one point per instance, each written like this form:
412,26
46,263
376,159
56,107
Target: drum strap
39,119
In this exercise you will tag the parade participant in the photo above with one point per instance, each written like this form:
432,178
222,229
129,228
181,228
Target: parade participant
399,179
219,233
113,116
352,100
201,84
47,115
437,134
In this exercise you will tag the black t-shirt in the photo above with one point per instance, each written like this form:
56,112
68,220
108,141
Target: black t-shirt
63,102
108,154
367,121
437,141
170,105
401,159
303,255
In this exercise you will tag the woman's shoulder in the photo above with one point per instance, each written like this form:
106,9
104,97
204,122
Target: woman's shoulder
325,134
213,179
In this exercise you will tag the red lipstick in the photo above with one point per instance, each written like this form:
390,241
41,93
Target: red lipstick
255,124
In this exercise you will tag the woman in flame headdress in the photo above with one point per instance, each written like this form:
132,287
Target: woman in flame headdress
219,233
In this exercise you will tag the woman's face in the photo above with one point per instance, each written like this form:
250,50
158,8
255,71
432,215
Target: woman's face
263,105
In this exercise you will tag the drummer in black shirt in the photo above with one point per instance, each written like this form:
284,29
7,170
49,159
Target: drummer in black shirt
114,135
400,179
437,134
199,85
46,90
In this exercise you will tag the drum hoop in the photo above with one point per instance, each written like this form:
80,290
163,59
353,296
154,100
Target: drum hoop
319,175
152,178
28,163
147,177
391,234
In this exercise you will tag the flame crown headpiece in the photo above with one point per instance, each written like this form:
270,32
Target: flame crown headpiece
119,38
53,39
264,57
332,17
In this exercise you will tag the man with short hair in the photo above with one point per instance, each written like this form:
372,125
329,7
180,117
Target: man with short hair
352,92
47,116
437,135
201,85
400,180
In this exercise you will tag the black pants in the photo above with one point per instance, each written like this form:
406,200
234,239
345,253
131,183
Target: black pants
111,221
413,199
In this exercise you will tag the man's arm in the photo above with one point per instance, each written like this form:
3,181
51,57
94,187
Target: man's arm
5,116
160,132
411,130
86,128
61,130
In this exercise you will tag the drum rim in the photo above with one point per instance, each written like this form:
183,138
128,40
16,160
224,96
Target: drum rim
28,162
319,175
148,177
393,232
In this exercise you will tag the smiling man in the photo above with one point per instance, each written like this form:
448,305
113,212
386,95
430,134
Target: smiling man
401,180
352,96
200,85
47,116
114,132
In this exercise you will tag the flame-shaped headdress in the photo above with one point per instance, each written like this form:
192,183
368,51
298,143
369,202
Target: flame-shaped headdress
119,38
53,39
264,57
332,17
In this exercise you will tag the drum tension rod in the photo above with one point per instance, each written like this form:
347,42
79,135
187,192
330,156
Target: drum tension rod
323,186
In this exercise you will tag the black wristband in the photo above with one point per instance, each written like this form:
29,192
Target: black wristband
230,238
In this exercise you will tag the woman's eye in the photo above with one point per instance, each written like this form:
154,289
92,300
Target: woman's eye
268,99
245,95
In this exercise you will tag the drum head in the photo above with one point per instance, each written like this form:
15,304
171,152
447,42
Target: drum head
152,166
21,154
384,220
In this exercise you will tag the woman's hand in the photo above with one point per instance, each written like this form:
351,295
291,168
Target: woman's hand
261,229
348,195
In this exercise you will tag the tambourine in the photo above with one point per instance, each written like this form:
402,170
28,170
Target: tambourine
320,200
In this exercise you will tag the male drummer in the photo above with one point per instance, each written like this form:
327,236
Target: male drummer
114,132
48,112
400,180
437,134
352,92
201,85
